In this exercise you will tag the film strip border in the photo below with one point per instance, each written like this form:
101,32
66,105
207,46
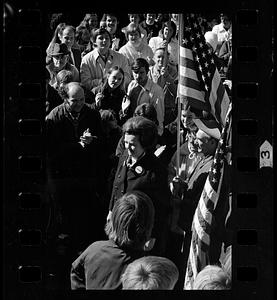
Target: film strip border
252,153
25,236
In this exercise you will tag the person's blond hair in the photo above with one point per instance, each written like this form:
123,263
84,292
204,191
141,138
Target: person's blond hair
150,273
212,277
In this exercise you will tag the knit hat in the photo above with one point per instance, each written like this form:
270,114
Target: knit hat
210,127
58,49
211,38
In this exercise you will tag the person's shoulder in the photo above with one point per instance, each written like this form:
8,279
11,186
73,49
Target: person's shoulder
91,108
73,68
155,39
123,48
93,248
146,46
152,161
216,27
117,54
174,41
56,112
89,55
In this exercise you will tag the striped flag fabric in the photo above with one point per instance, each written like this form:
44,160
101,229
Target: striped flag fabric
199,85
203,216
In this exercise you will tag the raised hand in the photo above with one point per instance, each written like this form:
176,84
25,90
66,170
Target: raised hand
125,104
98,98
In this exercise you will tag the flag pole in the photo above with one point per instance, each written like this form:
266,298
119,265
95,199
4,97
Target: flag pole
180,19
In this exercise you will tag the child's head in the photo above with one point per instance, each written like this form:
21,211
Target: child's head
115,77
150,273
212,277
132,220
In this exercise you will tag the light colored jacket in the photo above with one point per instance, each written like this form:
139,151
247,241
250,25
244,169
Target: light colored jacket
131,53
93,69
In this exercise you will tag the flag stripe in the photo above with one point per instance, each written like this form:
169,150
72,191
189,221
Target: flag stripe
201,87
199,227
195,55
185,53
189,63
185,71
205,211
194,85
192,93
198,104
203,216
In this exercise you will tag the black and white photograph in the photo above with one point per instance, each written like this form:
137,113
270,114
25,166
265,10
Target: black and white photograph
125,153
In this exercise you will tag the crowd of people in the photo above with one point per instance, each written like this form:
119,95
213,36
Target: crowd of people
111,127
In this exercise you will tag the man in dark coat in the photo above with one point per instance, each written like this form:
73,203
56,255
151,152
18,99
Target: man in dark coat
74,138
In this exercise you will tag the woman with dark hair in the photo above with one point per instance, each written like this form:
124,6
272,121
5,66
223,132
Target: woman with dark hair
167,39
146,110
110,94
139,169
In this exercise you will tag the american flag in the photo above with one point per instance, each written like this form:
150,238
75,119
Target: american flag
200,85
203,216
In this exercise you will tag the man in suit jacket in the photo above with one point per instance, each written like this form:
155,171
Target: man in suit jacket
68,37
76,56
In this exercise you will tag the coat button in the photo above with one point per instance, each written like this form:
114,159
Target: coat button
119,176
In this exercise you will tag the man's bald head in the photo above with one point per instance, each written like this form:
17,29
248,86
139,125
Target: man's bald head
74,96
74,89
